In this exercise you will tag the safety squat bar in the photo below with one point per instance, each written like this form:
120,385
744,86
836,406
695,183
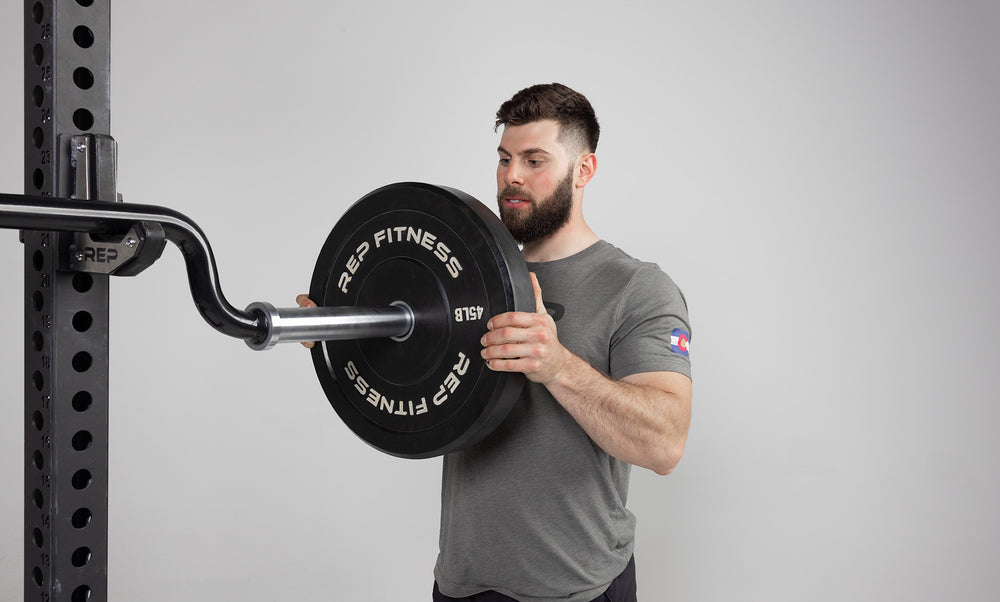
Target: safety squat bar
124,238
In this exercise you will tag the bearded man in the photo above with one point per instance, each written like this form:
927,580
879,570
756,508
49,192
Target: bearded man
537,511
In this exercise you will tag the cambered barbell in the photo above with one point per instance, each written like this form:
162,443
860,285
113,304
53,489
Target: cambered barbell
405,283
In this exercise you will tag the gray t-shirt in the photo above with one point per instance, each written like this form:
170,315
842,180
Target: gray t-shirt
537,510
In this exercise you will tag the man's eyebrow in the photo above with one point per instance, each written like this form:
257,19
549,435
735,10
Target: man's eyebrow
529,151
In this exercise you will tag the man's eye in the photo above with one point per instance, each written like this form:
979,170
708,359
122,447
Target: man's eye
534,162
504,160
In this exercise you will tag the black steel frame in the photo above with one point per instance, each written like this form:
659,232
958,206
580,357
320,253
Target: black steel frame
67,65
72,222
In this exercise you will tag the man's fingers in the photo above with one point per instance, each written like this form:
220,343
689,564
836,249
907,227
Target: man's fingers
513,319
539,303
304,301
516,331
501,365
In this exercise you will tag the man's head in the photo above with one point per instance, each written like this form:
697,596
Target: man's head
578,127
546,158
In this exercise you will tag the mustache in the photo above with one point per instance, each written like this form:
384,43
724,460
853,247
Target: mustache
513,191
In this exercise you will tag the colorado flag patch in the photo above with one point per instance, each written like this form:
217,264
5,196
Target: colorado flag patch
679,342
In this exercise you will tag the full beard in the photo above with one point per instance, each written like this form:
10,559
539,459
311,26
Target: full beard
543,218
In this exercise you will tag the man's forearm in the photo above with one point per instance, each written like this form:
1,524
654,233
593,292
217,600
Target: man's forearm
631,419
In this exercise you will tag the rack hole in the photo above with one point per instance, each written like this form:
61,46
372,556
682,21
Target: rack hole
82,401
81,518
82,440
38,380
38,260
38,137
38,12
81,556
38,52
38,459
36,536
81,594
82,361
37,300
83,119
38,94
83,36
82,320
84,2
37,341
37,576
38,179
83,78
82,479
82,282
37,499
37,420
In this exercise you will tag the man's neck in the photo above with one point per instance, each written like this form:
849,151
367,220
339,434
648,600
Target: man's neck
568,240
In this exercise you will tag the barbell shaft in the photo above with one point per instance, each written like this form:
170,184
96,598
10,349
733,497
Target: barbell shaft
301,324
261,325
96,217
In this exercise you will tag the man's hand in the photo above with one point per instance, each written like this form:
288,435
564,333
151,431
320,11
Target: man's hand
641,419
304,301
526,342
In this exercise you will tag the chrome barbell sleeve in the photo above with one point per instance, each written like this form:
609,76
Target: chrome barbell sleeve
302,324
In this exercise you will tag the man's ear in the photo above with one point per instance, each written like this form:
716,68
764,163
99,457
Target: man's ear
586,168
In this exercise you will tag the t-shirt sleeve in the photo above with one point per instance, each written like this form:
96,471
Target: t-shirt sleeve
652,331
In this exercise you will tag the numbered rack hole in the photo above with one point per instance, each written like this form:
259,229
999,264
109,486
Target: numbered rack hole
83,78
38,94
38,179
81,556
37,499
82,321
36,537
37,420
38,260
37,341
81,594
82,440
38,137
38,460
85,2
82,401
81,518
83,36
82,479
37,576
38,380
37,300
82,282
38,53
38,12
82,361
83,119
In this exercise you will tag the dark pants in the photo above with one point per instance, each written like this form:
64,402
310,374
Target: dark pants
622,589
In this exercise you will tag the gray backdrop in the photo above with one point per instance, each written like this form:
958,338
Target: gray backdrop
820,178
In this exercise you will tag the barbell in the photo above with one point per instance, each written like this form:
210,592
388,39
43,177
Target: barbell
404,284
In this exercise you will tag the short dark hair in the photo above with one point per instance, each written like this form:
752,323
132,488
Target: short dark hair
576,118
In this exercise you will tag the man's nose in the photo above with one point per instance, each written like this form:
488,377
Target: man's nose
513,176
